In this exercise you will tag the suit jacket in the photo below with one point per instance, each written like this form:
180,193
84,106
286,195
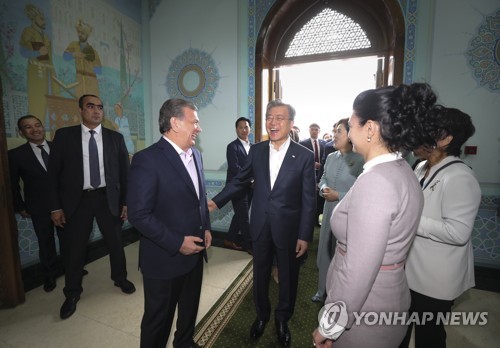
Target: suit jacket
290,206
321,147
375,224
236,156
24,165
441,262
164,207
329,148
66,169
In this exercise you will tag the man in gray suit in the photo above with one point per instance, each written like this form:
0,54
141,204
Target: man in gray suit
88,172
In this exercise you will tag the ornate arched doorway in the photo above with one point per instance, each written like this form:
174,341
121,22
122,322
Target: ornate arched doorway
357,28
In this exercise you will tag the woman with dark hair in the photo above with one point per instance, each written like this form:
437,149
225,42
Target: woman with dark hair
342,167
440,266
376,221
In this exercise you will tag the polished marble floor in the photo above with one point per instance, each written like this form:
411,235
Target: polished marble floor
107,318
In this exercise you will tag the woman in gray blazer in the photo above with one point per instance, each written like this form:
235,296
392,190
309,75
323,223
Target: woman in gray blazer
440,266
342,167
376,221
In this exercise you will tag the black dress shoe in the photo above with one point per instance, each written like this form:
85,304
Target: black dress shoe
232,245
69,307
284,335
126,286
49,284
257,328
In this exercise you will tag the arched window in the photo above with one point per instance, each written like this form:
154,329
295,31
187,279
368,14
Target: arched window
304,31
328,31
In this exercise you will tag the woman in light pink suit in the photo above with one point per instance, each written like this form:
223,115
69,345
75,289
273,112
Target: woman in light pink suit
376,222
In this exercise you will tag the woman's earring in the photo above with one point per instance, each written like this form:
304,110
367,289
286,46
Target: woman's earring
369,139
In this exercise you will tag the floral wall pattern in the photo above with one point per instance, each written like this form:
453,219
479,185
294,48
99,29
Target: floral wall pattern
483,53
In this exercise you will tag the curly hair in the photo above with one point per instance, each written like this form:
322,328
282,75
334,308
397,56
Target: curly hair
403,113
445,121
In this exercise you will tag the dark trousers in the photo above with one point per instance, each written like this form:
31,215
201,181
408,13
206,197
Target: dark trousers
47,251
94,204
240,222
264,251
320,203
161,297
432,334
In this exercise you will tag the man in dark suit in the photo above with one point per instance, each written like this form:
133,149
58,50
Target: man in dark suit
168,206
236,155
329,148
281,216
318,147
88,172
28,163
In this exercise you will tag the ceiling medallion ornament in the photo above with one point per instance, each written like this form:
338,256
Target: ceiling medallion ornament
193,75
483,53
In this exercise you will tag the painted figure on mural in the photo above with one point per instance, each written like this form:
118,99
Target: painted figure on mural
35,45
121,125
87,62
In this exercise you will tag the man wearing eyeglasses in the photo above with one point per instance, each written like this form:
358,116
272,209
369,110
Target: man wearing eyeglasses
281,216
88,170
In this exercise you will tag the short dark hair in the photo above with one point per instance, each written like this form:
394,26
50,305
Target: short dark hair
21,119
314,125
173,108
277,102
242,119
80,101
344,122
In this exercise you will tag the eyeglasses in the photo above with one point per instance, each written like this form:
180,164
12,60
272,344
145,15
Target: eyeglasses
92,106
276,118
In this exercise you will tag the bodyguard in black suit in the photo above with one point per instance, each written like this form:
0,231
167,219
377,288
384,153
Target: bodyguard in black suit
281,217
168,206
28,163
88,172
236,155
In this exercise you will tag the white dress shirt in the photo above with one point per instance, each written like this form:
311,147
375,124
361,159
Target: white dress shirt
246,145
38,151
276,158
85,148
188,161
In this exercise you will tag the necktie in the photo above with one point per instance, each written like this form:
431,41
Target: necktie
95,176
45,156
316,151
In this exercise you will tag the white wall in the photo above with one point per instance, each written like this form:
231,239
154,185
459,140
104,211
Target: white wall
456,22
211,26
444,30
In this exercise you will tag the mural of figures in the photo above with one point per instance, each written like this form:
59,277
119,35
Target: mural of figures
122,126
87,62
35,45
